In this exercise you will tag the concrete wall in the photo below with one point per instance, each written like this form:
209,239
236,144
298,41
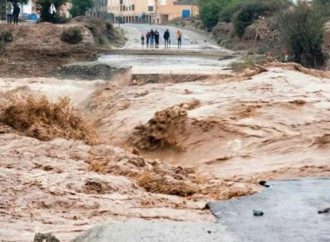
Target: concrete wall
151,11
131,10
100,9
172,9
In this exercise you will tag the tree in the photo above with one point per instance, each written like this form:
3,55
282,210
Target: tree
45,15
80,7
249,11
210,11
322,1
19,1
302,29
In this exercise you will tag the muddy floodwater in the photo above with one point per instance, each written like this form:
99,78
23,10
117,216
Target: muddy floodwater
233,131
76,153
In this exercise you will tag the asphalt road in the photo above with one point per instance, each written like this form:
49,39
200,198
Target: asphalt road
190,39
157,231
199,53
290,213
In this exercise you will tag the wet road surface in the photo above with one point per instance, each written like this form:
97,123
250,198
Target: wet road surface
199,54
164,64
290,213
190,39
157,231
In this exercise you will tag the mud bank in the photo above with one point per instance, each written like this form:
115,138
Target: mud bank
37,49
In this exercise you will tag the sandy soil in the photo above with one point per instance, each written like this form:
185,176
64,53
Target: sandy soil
235,130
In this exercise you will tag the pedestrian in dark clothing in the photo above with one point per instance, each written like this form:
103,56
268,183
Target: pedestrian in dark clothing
152,37
157,38
142,40
148,35
16,12
166,38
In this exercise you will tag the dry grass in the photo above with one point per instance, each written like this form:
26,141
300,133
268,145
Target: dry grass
44,120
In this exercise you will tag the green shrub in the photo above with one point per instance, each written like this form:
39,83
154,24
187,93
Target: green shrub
109,27
228,12
243,64
103,40
46,16
302,29
249,12
72,35
6,36
80,7
2,45
210,11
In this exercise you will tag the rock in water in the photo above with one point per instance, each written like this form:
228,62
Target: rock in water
91,71
48,237
325,210
258,213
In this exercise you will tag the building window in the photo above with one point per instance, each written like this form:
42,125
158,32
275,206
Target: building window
150,8
133,7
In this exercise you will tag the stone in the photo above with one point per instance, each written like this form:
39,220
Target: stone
47,237
258,213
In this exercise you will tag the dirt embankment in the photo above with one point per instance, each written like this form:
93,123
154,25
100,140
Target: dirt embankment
37,49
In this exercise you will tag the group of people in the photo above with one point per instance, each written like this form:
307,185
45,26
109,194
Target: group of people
13,11
152,38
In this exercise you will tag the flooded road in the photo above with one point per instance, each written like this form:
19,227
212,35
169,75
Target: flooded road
164,64
292,212
199,54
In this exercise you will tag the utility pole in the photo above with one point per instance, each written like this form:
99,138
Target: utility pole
192,7
156,11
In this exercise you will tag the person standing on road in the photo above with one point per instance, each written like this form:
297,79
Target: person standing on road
157,38
9,11
142,40
166,38
16,12
148,38
179,38
152,38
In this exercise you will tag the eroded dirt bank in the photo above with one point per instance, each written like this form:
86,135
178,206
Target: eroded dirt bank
37,49
161,150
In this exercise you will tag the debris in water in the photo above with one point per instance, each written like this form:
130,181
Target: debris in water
258,213
264,183
325,210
